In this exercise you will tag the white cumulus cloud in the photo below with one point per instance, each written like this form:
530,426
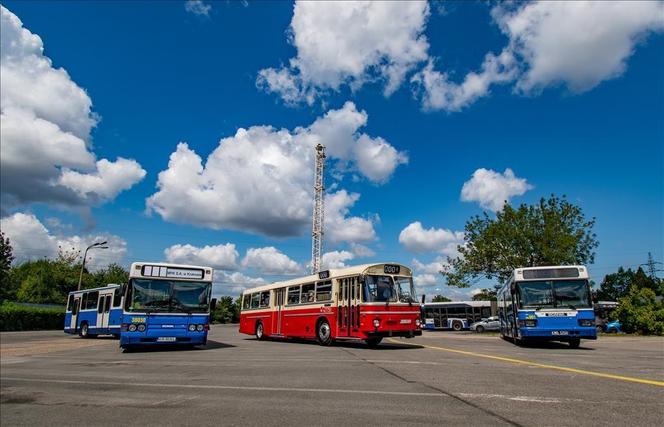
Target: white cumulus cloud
578,44
261,179
269,260
46,120
197,7
492,189
224,257
349,43
30,239
418,239
335,259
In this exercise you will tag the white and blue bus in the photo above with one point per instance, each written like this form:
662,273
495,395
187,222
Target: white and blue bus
93,312
166,304
455,315
161,304
547,303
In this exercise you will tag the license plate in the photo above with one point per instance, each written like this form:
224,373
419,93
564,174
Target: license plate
558,332
405,321
166,339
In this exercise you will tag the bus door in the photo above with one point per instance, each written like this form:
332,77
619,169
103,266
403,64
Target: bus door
279,301
103,310
348,307
74,312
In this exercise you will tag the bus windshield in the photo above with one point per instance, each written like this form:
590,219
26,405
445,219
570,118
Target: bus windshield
554,294
379,289
405,288
166,296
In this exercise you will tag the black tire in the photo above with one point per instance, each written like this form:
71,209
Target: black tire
599,329
323,333
84,330
260,331
574,343
373,342
612,331
457,326
479,329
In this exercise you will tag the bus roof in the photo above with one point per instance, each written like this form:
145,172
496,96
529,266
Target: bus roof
336,272
470,303
109,286
553,272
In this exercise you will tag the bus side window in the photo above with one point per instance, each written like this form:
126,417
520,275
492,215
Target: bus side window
92,300
294,295
324,291
117,298
265,299
255,299
70,302
246,301
84,301
307,294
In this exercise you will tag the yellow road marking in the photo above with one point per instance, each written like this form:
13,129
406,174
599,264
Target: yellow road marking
542,365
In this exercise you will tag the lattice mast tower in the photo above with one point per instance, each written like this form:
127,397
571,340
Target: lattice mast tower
319,213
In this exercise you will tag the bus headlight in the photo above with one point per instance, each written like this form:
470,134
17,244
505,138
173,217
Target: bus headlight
199,328
132,327
192,328
141,327
417,322
586,322
376,323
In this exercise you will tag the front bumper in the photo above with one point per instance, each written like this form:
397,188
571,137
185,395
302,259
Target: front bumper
405,334
152,338
559,334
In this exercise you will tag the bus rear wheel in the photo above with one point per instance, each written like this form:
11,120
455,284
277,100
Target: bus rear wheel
574,343
373,342
84,331
324,333
260,332
457,326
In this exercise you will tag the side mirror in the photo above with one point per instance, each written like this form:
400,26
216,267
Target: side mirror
213,304
423,298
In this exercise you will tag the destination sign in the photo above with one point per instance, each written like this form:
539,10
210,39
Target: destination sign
324,275
391,269
551,273
172,273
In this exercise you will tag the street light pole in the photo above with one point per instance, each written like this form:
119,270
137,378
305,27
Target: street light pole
99,245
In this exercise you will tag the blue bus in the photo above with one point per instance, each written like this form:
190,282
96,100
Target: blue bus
161,304
547,303
93,312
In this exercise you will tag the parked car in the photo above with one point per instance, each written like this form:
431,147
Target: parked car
613,327
490,324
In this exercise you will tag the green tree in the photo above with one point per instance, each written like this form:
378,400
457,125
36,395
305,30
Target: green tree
440,298
642,309
485,295
7,290
551,232
113,273
615,285
227,310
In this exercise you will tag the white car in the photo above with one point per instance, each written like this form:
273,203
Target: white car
490,324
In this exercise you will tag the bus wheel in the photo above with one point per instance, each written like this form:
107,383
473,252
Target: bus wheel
457,326
324,333
574,343
84,332
479,329
260,332
373,342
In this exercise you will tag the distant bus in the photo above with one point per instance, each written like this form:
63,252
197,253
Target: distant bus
93,312
166,304
547,303
367,302
456,315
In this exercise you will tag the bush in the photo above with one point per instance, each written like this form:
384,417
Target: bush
14,317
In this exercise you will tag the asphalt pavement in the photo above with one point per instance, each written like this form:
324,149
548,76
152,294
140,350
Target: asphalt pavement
49,378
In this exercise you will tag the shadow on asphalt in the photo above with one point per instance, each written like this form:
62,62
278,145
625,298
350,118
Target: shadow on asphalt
344,344
211,345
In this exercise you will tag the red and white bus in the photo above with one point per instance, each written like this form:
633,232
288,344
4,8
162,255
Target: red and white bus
366,302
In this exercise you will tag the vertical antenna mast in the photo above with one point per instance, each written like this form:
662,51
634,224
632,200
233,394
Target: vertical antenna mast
318,217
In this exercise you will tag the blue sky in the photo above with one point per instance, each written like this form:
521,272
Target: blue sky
565,112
